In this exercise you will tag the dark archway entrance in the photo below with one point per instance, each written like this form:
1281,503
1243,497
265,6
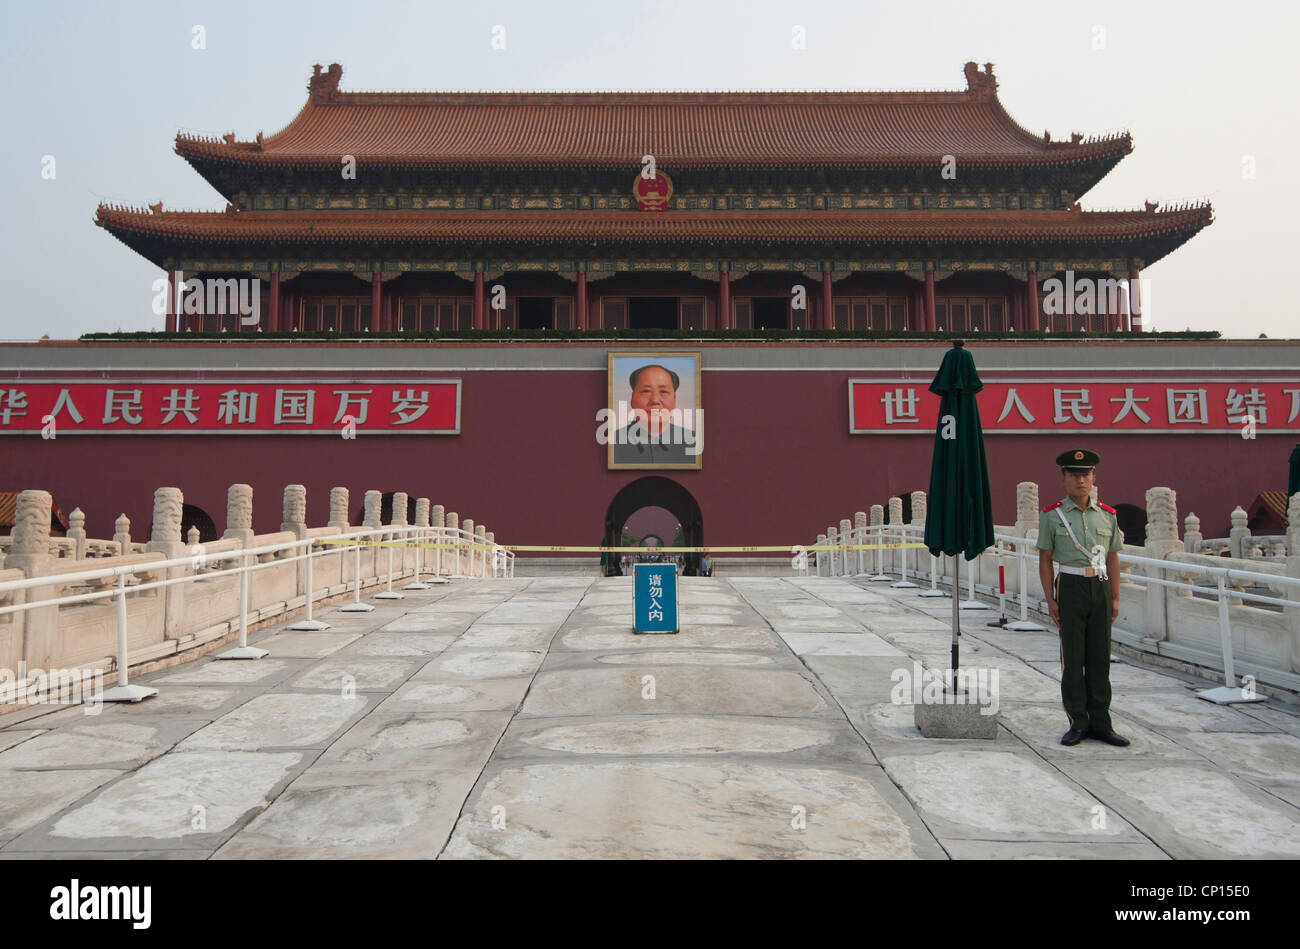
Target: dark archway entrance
1133,522
194,516
656,491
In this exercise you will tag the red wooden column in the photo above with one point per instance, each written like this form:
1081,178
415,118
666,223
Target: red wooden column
376,300
171,300
1134,302
273,318
1031,301
931,321
582,299
828,303
724,300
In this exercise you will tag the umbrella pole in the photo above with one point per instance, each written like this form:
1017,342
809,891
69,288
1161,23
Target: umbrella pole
956,615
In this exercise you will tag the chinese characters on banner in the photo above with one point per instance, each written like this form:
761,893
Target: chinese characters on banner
1084,405
254,407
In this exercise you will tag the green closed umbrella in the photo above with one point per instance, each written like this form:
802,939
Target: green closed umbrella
959,511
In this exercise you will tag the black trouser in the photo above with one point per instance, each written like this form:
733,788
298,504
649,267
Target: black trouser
1085,607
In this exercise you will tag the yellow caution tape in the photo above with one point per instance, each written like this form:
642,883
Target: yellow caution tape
617,550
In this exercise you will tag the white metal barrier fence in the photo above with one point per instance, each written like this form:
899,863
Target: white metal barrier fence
1025,552
463,545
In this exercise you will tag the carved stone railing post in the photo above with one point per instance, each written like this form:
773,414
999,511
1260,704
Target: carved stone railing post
860,559
1238,533
166,539
422,520
1026,507
452,557
77,533
467,557
374,503
491,538
846,556
895,519
295,510
397,518
29,551
836,556
820,559
339,508
875,557
438,521
122,534
1192,534
920,559
481,556
1162,540
239,513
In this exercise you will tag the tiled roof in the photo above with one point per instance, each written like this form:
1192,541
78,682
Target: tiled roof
462,226
681,129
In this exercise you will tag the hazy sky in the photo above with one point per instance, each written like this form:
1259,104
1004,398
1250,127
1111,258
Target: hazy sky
104,87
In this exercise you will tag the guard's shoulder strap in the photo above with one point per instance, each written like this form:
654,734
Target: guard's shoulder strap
1051,507
1107,508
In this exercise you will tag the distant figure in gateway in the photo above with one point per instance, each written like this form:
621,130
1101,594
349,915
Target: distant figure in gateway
656,441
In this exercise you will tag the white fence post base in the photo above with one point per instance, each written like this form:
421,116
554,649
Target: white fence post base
243,650
356,606
307,624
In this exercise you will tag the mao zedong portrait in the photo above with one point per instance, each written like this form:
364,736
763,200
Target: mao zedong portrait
655,434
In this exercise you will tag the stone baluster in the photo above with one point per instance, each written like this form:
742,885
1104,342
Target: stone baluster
1238,533
846,556
1026,508
193,537
452,557
860,559
491,539
29,551
821,554
422,520
374,503
481,556
165,539
919,557
875,558
239,514
833,538
295,510
438,520
122,534
895,519
467,556
77,533
339,508
397,517
1162,540
1192,534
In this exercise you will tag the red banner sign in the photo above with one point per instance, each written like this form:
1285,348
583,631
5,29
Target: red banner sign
237,407
1082,405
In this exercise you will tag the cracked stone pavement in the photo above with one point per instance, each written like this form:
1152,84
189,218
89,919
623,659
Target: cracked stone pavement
521,718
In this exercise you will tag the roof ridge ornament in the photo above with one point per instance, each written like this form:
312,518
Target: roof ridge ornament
324,87
982,85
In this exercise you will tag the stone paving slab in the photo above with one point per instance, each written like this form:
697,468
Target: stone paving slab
514,718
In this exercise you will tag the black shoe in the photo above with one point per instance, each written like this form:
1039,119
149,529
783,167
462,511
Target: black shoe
1110,738
1072,737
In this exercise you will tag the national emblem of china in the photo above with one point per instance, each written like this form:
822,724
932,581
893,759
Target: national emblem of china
652,194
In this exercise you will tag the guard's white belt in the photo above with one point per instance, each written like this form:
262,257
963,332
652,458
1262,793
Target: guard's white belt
1080,571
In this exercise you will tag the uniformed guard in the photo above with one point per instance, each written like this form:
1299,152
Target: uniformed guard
1082,537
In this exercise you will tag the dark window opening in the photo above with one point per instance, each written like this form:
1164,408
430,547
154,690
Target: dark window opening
771,313
652,313
536,313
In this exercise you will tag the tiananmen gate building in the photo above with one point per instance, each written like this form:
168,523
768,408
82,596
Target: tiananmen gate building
869,221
